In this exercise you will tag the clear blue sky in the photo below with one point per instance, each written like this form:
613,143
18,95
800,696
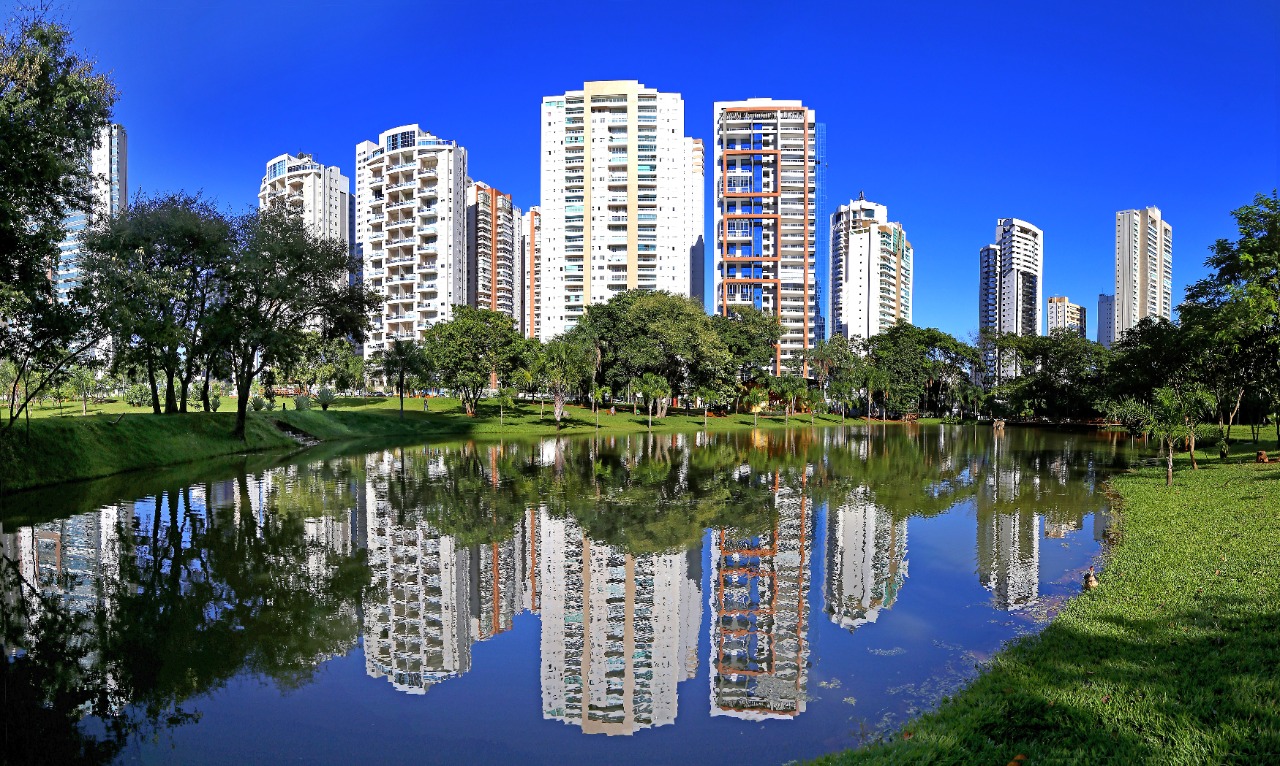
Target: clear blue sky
952,114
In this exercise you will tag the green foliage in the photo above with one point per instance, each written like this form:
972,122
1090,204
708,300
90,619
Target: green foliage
302,402
137,395
259,404
397,363
470,348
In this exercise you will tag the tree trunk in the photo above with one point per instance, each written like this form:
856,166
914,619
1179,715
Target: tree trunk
170,395
1191,441
84,402
1235,411
204,391
243,384
151,378
704,416
1168,464
651,414
400,390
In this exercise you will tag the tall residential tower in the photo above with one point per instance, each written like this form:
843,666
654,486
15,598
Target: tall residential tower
320,193
411,195
621,198
1011,282
871,270
495,269
766,185
1065,315
109,163
1144,268
1106,319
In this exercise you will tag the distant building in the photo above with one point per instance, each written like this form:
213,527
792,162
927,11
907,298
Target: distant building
1144,268
1065,315
495,267
1010,284
531,255
872,269
321,194
1106,319
109,164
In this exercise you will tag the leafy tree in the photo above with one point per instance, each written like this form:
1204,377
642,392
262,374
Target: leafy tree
1174,414
399,361
709,395
506,398
52,105
755,398
789,389
469,349
598,395
83,380
153,274
750,336
1061,376
281,278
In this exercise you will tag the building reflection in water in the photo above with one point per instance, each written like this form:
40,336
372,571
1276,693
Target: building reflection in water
866,560
1008,539
619,631
759,613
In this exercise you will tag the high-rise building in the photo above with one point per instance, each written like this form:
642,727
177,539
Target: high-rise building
621,198
320,193
411,195
872,269
1144,268
1065,315
109,163
765,170
531,255
1106,319
1010,283
495,269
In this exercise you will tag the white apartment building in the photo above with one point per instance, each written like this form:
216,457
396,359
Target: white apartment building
766,178
495,267
411,225
1065,315
531,256
620,205
1011,282
109,163
321,194
872,270
1106,319
1144,268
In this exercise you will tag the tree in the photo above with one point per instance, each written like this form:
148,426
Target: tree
470,349
52,105
1174,414
788,388
598,395
566,364
654,388
815,400
750,336
153,275
709,395
399,361
83,380
755,398
282,278
506,398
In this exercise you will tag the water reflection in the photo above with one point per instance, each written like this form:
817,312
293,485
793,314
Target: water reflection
128,613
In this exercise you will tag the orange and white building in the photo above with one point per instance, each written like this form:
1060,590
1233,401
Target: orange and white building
766,183
495,270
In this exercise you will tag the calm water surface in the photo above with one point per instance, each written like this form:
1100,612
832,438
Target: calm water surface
637,599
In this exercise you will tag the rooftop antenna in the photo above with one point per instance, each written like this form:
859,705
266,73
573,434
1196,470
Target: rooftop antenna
862,196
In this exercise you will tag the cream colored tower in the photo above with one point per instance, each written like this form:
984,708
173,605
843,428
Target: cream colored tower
620,203
1144,268
872,270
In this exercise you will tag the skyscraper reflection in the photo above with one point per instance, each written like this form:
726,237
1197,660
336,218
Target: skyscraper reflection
760,610
866,560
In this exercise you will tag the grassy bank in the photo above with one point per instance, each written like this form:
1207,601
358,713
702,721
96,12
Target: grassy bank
67,449
1175,658
68,446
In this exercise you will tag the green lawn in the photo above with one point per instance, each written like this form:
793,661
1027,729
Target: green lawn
1174,659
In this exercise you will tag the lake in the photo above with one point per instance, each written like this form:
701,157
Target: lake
637,599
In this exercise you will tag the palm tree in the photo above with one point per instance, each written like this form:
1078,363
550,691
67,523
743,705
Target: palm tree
788,388
652,387
709,395
816,401
598,395
565,365
399,360
754,398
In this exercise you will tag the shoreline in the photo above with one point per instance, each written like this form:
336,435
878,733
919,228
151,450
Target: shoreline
83,448
1172,659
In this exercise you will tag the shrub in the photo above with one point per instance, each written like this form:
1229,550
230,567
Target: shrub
302,402
137,395
215,400
325,397
258,403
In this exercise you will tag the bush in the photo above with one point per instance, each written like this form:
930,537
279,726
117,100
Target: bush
215,400
1207,436
137,395
325,397
258,403
302,402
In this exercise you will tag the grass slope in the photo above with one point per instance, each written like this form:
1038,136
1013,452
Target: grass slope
72,448
1175,658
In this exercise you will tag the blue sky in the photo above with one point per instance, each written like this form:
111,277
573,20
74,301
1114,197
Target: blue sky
952,114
